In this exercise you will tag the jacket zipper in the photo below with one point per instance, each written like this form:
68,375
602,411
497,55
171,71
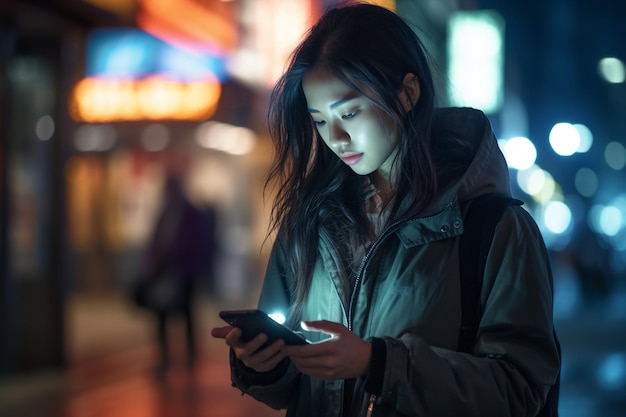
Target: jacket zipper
375,244
368,254
357,282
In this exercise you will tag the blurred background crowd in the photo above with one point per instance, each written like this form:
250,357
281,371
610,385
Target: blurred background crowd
109,109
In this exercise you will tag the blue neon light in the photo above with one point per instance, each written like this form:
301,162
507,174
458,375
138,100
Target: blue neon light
133,53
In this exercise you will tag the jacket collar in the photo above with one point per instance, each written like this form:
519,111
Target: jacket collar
443,225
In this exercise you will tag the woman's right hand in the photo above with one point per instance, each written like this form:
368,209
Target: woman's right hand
262,360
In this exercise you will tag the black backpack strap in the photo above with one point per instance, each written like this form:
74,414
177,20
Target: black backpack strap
479,224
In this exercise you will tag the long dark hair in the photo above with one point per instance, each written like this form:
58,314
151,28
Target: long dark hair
319,199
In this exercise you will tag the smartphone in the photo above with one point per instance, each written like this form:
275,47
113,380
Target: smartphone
253,322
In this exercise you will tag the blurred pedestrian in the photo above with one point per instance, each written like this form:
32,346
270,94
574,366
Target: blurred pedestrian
179,254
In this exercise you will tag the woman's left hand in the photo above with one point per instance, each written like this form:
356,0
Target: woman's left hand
345,355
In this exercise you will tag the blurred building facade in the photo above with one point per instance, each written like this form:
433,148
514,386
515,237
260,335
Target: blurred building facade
42,48
101,101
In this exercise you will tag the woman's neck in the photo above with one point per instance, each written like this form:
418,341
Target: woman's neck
378,204
384,187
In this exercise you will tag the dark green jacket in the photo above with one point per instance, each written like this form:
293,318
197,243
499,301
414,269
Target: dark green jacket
408,293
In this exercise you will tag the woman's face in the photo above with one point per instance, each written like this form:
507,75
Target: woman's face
358,132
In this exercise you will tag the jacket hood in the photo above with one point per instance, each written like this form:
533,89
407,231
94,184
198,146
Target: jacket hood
486,170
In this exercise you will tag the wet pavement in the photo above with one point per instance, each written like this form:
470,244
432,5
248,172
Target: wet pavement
112,368
113,372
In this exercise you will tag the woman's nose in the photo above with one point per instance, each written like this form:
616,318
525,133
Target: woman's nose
338,135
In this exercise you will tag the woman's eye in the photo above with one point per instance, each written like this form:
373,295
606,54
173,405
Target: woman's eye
319,123
349,115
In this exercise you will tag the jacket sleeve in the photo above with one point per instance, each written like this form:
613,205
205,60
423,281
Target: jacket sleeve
515,357
274,388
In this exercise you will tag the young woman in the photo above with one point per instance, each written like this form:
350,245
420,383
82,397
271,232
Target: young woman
372,185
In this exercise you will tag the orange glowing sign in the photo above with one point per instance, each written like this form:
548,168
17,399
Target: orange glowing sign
99,100
203,26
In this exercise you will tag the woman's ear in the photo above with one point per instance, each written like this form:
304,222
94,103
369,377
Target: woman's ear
410,93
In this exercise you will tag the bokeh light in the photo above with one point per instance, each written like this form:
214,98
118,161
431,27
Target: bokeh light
224,137
44,129
607,220
557,217
586,138
610,220
538,183
520,153
564,139
531,180
612,371
612,70
615,155
586,182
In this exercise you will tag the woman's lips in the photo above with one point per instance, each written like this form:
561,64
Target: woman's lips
351,158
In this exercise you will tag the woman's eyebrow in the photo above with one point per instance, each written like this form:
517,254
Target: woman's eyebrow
348,97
